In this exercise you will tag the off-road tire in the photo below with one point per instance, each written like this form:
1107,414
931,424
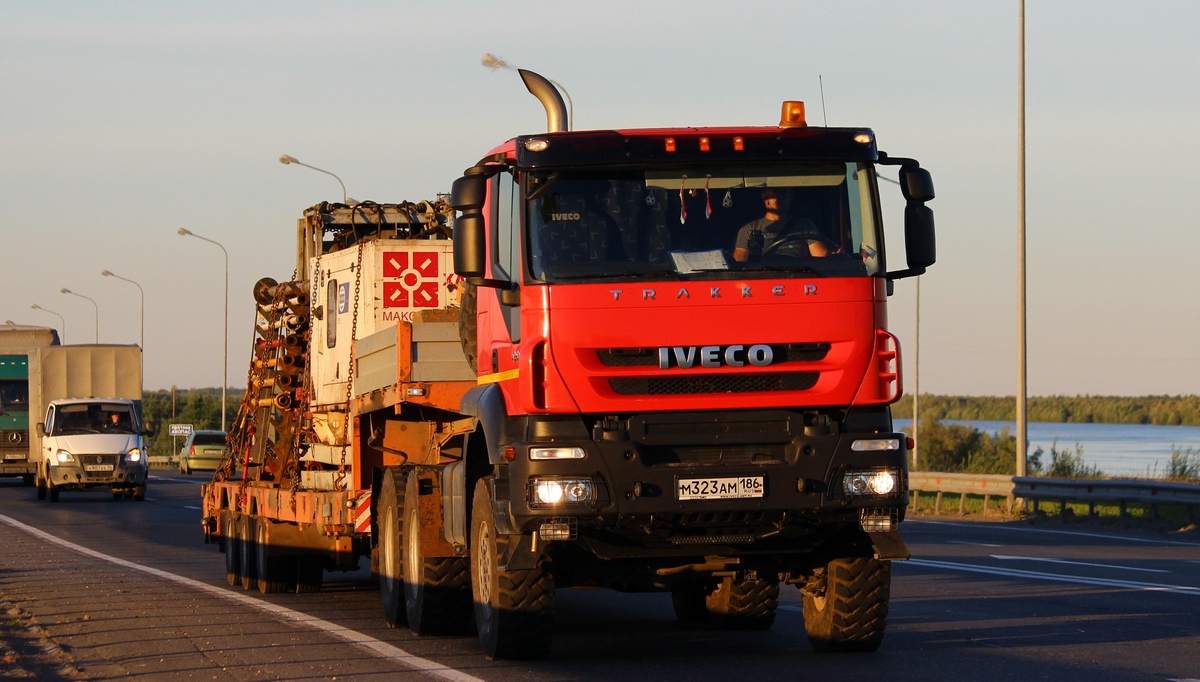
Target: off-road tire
276,574
851,613
437,591
247,571
743,604
390,508
514,610
689,602
310,573
467,324
233,551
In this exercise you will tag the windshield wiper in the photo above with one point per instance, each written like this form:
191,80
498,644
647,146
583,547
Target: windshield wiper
600,275
774,268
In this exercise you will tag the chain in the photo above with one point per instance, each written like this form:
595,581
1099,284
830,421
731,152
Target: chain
339,480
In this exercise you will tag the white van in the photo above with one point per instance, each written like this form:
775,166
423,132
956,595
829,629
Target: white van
92,443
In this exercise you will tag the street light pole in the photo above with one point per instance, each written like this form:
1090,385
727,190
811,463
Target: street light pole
289,160
60,317
142,337
68,291
1022,373
225,333
493,62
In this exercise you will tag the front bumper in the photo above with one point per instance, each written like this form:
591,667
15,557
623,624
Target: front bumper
74,475
16,467
637,509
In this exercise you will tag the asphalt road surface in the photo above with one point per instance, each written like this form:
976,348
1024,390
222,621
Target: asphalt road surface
94,588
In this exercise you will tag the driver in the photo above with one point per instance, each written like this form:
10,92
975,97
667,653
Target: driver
113,423
757,235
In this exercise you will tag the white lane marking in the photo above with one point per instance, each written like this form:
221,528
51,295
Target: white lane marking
179,480
375,646
977,544
1025,529
1006,557
789,607
1055,577
185,506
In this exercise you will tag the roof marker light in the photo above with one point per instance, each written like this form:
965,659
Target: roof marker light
793,115
670,144
537,145
862,138
738,144
704,144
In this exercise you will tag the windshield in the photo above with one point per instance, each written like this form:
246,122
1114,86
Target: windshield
73,420
784,220
14,395
209,439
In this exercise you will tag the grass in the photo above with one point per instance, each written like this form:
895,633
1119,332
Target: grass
973,505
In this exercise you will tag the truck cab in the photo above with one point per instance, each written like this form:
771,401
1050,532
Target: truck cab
89,443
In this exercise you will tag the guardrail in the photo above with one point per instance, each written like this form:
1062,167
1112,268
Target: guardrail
166,461
1152,494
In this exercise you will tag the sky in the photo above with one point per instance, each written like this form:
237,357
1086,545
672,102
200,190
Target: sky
124,121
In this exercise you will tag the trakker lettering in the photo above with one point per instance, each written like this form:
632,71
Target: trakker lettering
758,355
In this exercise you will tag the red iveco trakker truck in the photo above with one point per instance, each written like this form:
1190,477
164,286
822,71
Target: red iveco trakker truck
661,364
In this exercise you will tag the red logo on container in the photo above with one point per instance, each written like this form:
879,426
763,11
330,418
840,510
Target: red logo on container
416,273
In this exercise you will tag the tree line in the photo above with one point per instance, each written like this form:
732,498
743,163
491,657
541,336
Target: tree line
1152,409
200,407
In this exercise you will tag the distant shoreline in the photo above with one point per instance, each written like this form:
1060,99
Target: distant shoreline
1153,409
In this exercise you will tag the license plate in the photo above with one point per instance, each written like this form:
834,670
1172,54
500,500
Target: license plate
97,467
14,456
725,488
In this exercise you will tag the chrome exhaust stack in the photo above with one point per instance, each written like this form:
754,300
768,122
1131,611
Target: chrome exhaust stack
548,95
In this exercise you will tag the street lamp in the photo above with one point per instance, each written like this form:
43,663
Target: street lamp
225,334
288,160
493,62
9,322
107,273
64,321
68,291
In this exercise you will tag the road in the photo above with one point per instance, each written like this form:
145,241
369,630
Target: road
128,588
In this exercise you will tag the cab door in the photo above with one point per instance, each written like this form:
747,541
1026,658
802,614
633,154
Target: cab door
502,308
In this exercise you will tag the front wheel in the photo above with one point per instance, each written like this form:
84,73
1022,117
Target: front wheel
41,487
846,606
514,610
744,604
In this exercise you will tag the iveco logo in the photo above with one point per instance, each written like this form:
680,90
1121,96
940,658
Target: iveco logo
758,355
564,216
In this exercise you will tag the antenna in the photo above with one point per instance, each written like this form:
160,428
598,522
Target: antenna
823,116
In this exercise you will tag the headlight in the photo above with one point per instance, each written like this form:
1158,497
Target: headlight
63,457
557,453
134,455
546,492
879,482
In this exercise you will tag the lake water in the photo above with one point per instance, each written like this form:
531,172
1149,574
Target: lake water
1137,449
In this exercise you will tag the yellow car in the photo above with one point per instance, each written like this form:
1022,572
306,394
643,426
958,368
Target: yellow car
201,451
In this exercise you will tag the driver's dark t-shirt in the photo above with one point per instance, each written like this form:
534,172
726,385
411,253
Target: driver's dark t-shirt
772,230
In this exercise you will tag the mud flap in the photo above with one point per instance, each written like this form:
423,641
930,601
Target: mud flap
889,545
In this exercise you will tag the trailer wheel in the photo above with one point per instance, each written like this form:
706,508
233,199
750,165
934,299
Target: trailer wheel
467,324
276,574
230,540
246,567
390,508
689,602
743,604
514,610
310,573
437,591
848,612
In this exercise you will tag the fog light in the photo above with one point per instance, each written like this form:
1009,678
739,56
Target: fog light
558,529
879,520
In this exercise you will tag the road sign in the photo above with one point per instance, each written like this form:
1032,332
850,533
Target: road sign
180,429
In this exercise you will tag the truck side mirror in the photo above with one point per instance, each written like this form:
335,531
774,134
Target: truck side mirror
916,184
919,242
149,429
41,429
470,229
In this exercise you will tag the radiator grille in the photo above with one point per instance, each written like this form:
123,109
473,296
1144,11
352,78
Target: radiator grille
715,383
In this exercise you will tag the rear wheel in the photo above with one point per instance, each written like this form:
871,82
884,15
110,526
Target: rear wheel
138,493
514,610
28,479
310,572
276,574
246,567
233,555
846,607
118,493
743,604
41,486
437,591
390,508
